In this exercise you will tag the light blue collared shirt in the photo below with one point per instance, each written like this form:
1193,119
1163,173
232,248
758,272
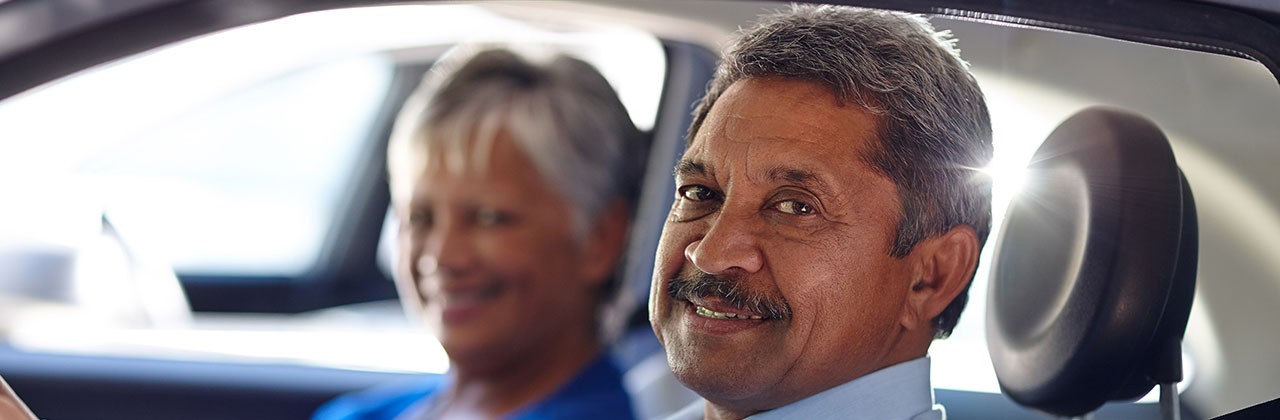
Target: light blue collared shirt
898,392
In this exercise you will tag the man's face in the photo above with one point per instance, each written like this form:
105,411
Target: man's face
492,257
792,230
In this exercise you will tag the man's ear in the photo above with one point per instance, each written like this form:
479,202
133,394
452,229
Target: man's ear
604,242
945,266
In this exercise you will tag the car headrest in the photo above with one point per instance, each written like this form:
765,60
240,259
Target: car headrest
1094,269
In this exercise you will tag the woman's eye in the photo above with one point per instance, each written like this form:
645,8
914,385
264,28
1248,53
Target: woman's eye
417,220
795,207
696,193
491,217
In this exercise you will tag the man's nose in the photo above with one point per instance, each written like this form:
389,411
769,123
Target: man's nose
731,244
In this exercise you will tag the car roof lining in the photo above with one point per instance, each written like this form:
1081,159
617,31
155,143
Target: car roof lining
79,35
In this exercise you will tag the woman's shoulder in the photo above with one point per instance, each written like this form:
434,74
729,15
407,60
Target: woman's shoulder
382,402
596,392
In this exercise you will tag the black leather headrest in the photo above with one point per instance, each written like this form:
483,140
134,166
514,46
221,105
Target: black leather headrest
1094,269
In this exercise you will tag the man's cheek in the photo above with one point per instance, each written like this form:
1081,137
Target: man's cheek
665,263
668,262
675,237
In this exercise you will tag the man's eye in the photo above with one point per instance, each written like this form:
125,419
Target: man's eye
696,193
795,207
694,202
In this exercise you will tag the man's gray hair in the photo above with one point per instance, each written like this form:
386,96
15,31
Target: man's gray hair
558,110
935,132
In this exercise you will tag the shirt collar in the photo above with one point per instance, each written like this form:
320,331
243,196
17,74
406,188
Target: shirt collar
901,391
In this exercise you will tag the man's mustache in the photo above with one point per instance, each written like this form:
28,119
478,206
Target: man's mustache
731,290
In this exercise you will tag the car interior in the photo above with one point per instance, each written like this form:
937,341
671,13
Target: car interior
195,218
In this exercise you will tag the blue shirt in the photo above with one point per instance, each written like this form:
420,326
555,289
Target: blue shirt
898,392
596,393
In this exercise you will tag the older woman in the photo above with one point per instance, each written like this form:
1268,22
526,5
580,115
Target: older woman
513,180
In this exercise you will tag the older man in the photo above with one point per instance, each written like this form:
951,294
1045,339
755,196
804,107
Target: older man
828,219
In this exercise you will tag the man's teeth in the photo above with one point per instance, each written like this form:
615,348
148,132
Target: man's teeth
723,315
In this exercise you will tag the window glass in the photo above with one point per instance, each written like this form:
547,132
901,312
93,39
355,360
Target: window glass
232,157
1215,110
229,152
247,183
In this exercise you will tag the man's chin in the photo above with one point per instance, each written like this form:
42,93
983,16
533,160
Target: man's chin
737,400
727,381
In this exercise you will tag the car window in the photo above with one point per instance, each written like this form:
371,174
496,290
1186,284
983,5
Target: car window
239,158
1212,108
249,182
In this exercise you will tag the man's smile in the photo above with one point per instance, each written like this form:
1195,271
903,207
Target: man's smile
707,313
725,297
715,308
714,317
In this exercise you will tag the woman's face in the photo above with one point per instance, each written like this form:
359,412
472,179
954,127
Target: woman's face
491,256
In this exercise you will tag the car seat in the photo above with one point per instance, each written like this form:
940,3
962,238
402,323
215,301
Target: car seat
1094,269
654,390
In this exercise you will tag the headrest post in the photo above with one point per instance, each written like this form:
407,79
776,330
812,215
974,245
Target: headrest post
1169,401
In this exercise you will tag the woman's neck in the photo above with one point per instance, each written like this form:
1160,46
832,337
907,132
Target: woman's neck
505,387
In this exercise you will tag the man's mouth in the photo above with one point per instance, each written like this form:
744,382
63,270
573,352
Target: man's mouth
707,313
718,297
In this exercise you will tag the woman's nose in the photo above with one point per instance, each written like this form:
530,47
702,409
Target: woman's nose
448,251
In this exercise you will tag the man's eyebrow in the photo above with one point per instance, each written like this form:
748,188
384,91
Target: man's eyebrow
690,168
802,177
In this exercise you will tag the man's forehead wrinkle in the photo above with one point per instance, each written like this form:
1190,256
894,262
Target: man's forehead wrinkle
746,130
739,119
799,176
